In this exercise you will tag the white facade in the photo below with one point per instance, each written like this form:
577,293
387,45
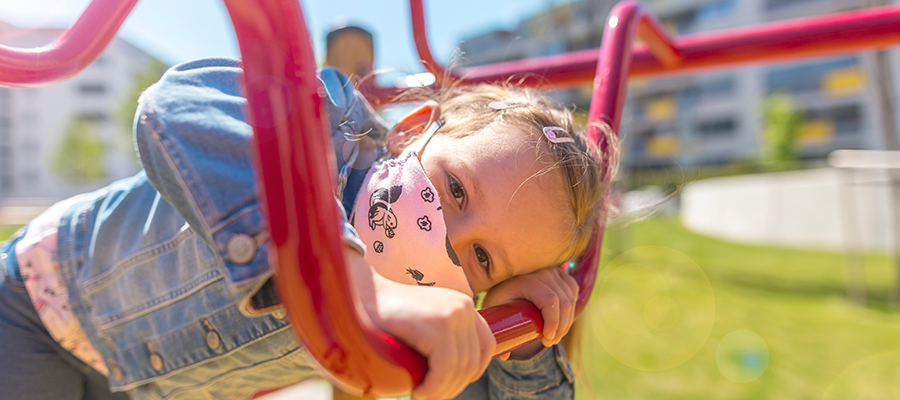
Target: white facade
33,121
824,209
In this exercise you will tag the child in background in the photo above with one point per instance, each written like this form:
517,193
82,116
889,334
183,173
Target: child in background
159,285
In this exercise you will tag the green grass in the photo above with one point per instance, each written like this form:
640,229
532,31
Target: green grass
7,231
795,300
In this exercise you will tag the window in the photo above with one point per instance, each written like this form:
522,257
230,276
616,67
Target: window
31,177
94,118
92,89
720,127
682,22
845,120
31,148
808,77
716,89
715,10
772,5
687,21
658,107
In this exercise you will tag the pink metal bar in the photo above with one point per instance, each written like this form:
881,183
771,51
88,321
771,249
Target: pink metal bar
851,31
625,20
72,52
420,35
296,173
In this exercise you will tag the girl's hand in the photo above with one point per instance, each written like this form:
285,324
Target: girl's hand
441,324
553,291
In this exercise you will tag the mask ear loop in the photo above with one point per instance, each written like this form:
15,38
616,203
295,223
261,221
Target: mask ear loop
427,135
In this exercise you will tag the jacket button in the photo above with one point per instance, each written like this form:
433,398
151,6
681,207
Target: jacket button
279,313
156,361
114,369
213,340
241,248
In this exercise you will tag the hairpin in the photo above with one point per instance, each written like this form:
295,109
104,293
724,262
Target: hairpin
502,105
550,133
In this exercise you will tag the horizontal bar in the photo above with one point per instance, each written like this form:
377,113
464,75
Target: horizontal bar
841,33
69,54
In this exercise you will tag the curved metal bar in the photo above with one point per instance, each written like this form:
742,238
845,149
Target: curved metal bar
296,172
72,52
625,20
839,33
417,14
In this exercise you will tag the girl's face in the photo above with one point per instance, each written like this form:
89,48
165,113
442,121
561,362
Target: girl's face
502,220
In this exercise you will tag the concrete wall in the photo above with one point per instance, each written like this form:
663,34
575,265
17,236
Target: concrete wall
817,209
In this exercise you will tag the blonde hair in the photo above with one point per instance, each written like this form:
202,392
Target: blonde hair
587,172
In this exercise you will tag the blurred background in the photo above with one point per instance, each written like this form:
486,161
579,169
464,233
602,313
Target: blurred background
755,254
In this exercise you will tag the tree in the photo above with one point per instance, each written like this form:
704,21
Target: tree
81,155
779,139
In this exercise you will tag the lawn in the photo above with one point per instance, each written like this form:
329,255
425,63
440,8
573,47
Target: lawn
655,326
7,231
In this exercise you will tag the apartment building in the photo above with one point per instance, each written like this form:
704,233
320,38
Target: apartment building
715,116
39,128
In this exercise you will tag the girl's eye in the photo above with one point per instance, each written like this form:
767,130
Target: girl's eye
456,189
483,259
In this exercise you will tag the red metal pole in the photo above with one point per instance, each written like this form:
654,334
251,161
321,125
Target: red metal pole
72,52
296,174
420,35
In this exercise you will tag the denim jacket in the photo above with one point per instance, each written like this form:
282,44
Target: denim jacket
168,271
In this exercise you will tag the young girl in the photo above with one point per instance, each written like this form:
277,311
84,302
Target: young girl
159,285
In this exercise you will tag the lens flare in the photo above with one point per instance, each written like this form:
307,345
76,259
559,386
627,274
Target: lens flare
742,356
872,378
654,308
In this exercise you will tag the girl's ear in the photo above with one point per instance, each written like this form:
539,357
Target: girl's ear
411,126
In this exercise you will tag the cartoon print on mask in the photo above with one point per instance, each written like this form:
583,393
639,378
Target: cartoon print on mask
452,254
379,247
418,276
380,212
428,195
424,223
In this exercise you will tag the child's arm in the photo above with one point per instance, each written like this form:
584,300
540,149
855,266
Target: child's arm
442,324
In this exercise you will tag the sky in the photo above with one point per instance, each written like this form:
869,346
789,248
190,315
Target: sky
175,31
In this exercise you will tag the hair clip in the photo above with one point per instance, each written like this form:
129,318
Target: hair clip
550,133
502,105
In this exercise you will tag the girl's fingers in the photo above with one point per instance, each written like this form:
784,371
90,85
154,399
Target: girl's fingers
487,343
545,298
564,304
442,364
570,283
469,355
570,299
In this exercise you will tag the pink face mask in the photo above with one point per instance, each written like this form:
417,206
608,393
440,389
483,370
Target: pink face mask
398,216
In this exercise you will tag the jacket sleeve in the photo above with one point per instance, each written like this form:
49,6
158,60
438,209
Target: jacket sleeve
195,146
547,375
